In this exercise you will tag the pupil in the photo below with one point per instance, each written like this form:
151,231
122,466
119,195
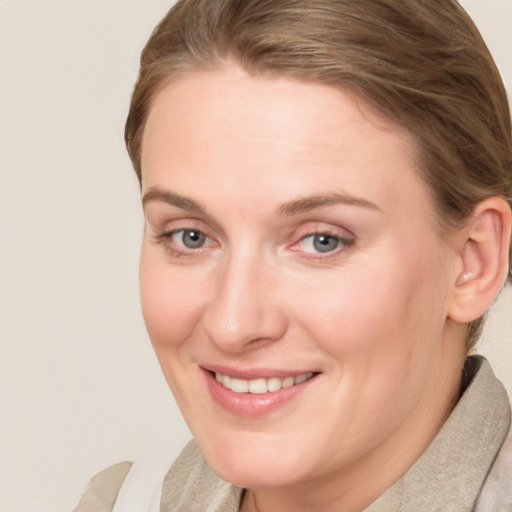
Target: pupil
325,243
193,239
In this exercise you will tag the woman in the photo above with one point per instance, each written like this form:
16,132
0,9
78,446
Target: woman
327,187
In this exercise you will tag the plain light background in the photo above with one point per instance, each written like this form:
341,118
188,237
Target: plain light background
80,388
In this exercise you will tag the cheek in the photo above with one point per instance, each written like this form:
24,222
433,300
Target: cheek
378,333
172,309
354,315
380,311
170,306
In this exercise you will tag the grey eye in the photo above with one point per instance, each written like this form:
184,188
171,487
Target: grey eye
325,243
189,238
322,243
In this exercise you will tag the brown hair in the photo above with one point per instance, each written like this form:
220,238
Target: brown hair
421,63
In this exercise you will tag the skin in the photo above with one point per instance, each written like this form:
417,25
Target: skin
371,317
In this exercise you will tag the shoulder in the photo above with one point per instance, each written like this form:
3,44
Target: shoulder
189,484
496,493
102,491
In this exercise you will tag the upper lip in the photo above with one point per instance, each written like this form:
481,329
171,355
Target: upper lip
255,373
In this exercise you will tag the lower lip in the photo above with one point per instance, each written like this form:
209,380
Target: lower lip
252,404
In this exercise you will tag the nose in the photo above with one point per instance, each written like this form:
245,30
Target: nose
244,311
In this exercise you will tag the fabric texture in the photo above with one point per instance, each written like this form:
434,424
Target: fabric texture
466,468
449,475
496,496
142,487
101,493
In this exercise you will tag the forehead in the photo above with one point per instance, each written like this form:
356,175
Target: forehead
230,94
283,134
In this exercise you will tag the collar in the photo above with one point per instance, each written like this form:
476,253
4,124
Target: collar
450,473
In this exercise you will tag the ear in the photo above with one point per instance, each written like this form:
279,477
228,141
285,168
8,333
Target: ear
483,249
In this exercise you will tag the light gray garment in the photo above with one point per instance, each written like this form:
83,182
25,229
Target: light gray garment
448,477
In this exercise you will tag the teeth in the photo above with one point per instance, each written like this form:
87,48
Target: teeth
260,386
274,384
226,381
302,378
287,382
239,385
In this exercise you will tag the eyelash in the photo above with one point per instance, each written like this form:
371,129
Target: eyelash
343,243
167,239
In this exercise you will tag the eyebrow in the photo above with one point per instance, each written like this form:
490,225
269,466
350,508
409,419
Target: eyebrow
309,203
297,206
166,196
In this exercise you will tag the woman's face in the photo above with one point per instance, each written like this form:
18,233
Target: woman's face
289,238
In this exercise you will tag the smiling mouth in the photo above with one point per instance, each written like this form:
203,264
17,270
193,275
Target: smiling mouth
262,385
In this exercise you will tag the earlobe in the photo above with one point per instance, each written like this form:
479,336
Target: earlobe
483,258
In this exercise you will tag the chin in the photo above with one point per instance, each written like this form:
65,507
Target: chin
254,464
256,476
